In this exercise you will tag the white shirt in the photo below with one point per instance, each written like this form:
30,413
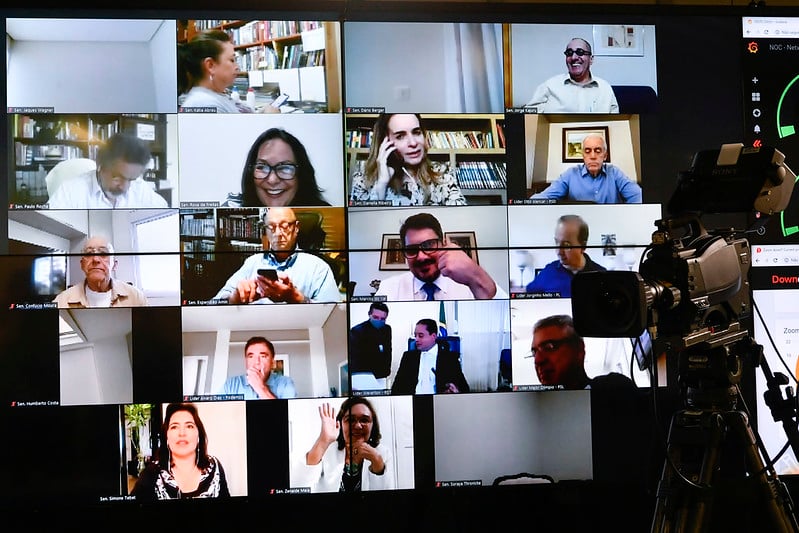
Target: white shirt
559,94
427,375
83,192
407,287
98,299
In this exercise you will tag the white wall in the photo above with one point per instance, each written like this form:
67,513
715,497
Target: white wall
97,373
534,432
620,146
97,77
213,150
537,54
226,426
535,225
395,414
405,67
164,66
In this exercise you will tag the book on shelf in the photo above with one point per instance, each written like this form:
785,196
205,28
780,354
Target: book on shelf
460,140
482,175
240,227
201,250
245,246
359,138
197,227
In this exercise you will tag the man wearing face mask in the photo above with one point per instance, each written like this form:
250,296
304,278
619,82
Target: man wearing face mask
577,91
370,349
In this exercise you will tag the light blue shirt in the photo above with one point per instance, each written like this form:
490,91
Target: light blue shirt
281,386
610,186
310,274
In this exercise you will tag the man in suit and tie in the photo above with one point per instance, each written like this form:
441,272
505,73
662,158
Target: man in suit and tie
438,268
431,368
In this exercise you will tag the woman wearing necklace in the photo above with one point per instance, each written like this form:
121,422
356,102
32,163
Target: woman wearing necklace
184,469
398,169
357,462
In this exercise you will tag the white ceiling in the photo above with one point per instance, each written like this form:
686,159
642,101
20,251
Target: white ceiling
99,324
101,30
255,317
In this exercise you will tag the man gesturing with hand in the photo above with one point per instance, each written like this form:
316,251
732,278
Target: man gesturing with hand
438,268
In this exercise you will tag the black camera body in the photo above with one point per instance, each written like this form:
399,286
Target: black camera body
692,288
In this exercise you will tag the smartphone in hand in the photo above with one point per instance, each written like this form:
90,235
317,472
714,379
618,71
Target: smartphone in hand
268,273
280,100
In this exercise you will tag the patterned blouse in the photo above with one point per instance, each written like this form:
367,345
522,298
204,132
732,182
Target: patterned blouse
444,191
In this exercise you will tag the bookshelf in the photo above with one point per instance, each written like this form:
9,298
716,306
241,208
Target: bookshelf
474,144
43,141
301,57
214,243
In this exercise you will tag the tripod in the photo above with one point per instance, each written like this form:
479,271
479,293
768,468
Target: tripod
699,436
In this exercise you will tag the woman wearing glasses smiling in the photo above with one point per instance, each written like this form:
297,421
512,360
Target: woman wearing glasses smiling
357,462
277,173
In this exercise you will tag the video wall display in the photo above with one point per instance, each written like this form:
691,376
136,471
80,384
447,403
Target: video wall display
771,102
288,210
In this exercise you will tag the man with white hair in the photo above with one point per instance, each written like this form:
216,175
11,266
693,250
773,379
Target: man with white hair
593,180
99,288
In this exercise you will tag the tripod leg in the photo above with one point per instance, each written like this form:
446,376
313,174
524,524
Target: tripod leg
693,449
774,493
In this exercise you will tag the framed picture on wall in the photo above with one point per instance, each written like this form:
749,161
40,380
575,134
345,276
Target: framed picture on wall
466,240
618,40
281,364
573,142
391,257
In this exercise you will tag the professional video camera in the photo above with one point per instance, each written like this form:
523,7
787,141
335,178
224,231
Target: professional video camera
692,284
691,296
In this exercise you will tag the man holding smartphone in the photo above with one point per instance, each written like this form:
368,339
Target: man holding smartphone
283,273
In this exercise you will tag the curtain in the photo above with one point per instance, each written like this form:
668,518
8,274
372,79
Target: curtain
484,331
475,69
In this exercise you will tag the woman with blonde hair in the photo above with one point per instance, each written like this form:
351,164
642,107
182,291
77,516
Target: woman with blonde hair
398,169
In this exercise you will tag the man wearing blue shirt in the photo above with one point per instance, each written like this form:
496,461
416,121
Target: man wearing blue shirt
571,238
259,383
593,180
299,277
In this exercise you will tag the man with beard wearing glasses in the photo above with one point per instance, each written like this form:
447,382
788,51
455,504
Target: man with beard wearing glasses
438,269
577,91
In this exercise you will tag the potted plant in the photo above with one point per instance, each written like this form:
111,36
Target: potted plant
137,416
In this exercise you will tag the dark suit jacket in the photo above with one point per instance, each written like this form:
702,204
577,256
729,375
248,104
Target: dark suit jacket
448,370
366,354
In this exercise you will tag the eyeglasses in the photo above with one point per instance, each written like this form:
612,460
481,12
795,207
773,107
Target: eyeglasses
579,51
284,171
549,346
285,227
352,419
102,250
412,250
